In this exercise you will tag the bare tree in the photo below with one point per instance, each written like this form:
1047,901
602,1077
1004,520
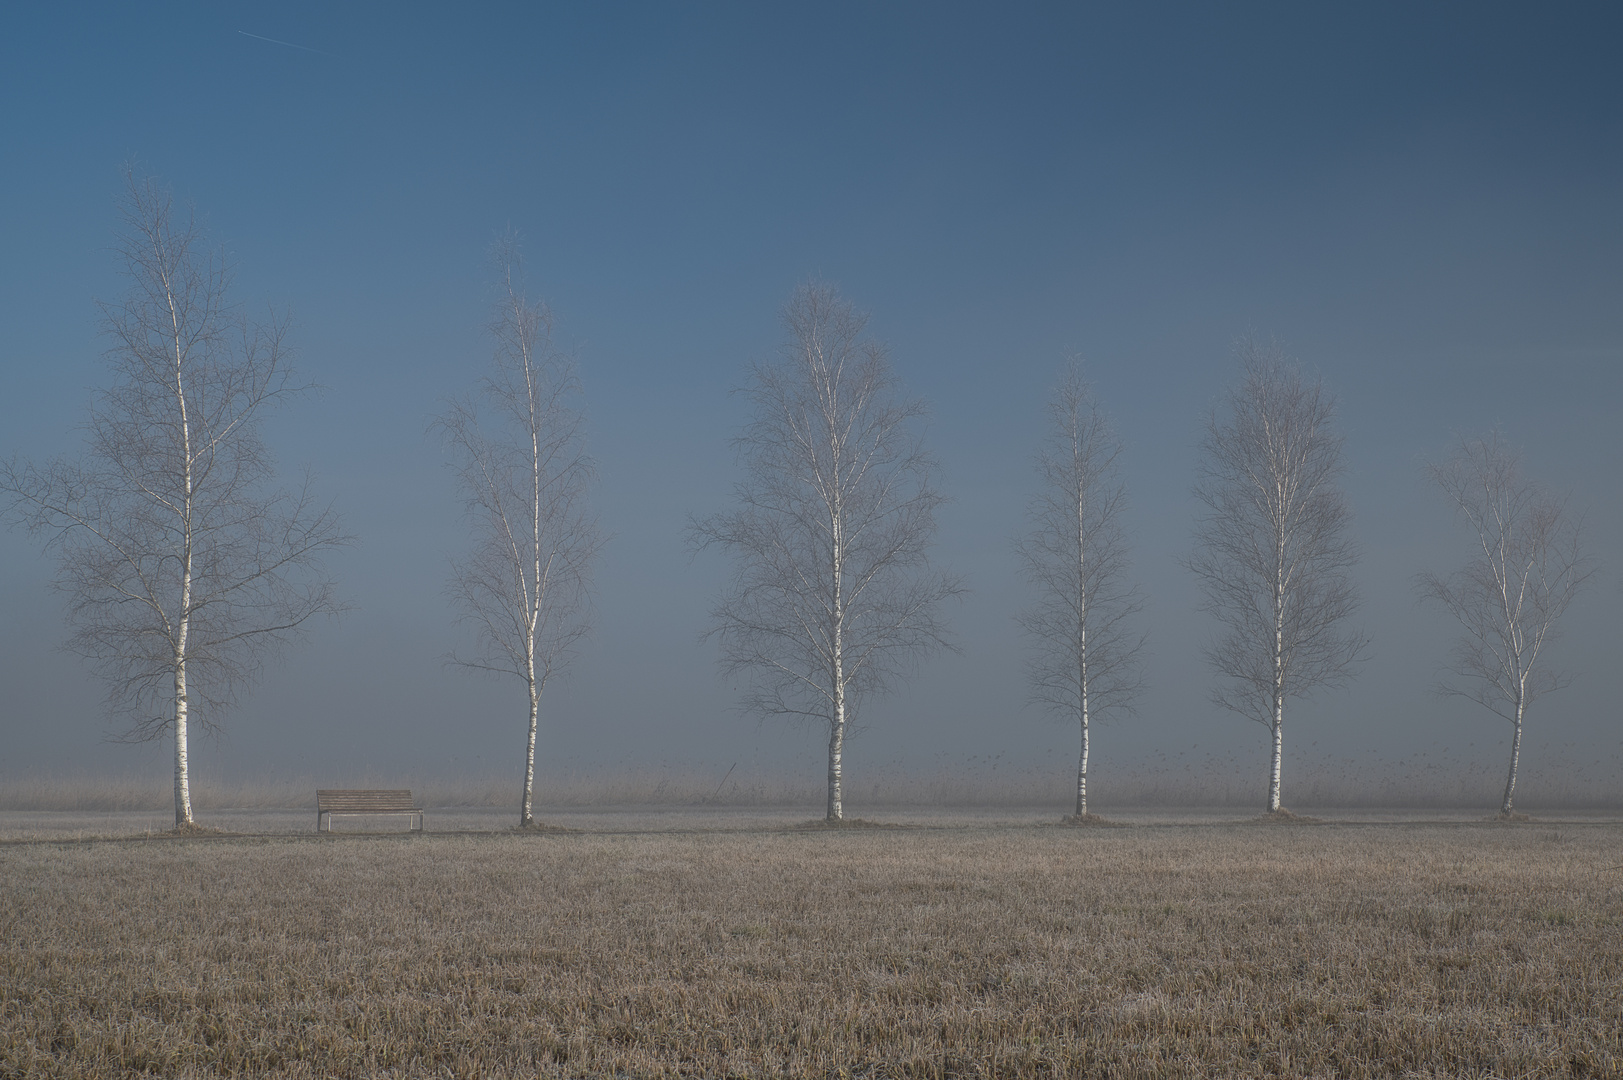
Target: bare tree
519,451
1527,566
835,596
182,567
1084,653
1271,549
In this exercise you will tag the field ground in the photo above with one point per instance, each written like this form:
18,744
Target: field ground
734,944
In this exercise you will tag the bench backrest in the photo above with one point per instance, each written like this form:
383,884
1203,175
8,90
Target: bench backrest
358,802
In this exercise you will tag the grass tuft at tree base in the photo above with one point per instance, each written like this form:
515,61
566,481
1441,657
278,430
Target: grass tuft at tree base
541,828
846,823
1089,821
194,829
1283,816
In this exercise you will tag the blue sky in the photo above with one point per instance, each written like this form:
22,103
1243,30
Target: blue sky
1425,203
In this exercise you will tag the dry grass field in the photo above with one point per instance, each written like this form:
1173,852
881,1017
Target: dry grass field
1190,950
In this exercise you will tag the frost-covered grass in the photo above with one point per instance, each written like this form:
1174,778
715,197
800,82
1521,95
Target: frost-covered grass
973,950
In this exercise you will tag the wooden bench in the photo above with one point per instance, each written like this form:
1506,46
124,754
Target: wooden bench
365,803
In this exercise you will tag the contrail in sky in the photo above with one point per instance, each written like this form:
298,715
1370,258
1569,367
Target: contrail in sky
273,41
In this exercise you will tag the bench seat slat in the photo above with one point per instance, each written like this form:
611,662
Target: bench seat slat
362,802
372,800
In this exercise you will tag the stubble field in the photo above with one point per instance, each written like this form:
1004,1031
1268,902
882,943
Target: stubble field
1009,951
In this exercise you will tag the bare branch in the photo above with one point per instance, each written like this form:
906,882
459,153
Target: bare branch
834,597
1271,548
183,567
1527,566
1084,654
518,447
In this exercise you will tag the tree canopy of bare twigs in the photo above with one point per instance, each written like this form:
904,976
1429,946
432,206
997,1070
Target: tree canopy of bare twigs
1272,553
518,447
834,595
1527,565
1083,660
182,565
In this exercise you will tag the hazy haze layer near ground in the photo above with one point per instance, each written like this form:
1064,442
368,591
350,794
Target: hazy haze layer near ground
31,825
984,949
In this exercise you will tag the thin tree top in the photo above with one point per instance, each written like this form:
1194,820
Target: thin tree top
834,520
1526,565
176,551
1273,547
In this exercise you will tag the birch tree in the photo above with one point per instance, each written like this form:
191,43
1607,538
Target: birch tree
1083,660
1272,553
518,447
1526,566
834,596
182,566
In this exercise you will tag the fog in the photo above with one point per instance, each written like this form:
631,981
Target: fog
1424,205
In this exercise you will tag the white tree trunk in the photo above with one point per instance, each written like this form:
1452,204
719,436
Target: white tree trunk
533,607
1515,757
836,757
526,814
183,780
836,736
1279,669
1082,650
1273,781
1278,723
836,739
1082,768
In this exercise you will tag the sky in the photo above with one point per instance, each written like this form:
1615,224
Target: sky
1423,203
